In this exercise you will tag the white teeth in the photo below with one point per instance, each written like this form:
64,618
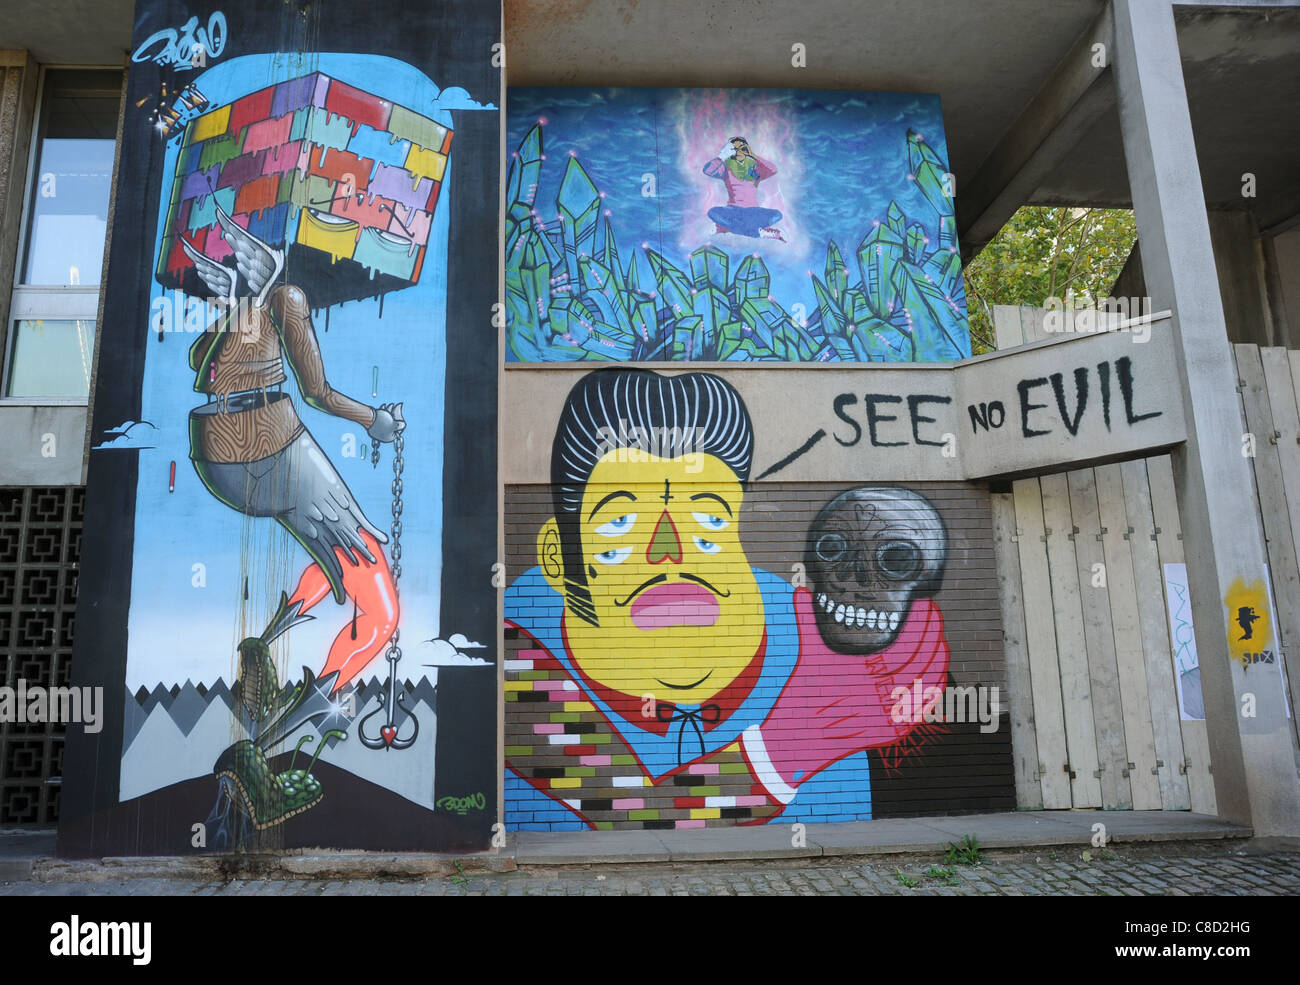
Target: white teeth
852,615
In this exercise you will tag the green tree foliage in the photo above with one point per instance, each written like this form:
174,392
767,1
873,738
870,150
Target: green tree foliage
1070,253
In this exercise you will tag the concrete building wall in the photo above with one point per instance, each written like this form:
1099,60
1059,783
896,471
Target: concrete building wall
41,444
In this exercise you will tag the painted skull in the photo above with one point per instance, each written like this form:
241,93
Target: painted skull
871,551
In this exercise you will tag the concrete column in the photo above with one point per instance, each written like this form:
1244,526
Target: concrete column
1253,759
1240,262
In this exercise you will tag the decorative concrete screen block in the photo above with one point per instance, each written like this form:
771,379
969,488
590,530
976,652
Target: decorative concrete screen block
345,181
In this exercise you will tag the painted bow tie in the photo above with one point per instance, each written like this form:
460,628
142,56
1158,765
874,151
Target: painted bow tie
708,713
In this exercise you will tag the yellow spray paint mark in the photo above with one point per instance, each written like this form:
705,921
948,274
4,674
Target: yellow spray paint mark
1250,621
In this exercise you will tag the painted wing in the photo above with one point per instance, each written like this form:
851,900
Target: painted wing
258,262
219,278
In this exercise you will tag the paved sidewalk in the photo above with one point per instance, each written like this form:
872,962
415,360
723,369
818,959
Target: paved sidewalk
28,856
1011,829
1165,869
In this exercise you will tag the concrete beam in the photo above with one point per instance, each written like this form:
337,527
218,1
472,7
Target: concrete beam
1253,757
1079,92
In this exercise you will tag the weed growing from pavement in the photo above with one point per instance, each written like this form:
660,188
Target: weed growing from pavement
967,852
460,879
946,877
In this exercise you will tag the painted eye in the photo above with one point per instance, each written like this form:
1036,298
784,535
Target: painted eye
899,559
617,556
618,527
710,522
831,547
707,546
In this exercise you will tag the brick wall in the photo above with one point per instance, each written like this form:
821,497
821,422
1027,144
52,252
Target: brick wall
566,765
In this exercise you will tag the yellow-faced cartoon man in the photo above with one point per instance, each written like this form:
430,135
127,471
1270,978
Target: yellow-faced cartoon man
665,682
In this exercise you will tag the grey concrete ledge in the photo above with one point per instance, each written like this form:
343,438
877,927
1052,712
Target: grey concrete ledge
325,865
1029,829
24,857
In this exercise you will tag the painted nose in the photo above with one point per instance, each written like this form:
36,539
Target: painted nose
665,545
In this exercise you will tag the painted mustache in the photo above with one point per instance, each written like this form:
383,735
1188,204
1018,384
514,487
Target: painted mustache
662,578
678,604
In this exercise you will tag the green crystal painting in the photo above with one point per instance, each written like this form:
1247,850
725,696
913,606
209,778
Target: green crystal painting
730,225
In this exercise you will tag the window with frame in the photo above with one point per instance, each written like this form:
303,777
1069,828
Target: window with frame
51,341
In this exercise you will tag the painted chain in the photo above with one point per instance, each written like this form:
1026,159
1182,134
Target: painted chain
394,653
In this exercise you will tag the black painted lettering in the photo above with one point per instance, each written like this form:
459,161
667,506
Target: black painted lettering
1023,388
1103,375
842,401
996,409
1080,398
1124,371
914,401
873,418
979,417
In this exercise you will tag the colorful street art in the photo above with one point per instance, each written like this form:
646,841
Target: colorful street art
663,680
290,637
702,225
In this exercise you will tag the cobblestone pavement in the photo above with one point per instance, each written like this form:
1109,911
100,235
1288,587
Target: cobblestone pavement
1200,869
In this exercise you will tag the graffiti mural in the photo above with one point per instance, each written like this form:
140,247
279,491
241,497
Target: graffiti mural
290,636
654,224
661,677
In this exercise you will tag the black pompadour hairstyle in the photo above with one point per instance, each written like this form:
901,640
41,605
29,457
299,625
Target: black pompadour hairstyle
692,413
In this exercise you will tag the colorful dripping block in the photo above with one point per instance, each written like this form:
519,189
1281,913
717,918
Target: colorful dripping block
328,233
385,253
345,182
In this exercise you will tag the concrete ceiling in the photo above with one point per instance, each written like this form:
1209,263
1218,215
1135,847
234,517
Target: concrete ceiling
68,32
1243,90
985,60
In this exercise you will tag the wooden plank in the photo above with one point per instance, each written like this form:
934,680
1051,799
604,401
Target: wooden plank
1286,421
1040,637
1157,655
1067,612
1169,544
1020,697
1139,738
1099,637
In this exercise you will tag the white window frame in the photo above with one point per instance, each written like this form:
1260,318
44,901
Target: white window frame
47,303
